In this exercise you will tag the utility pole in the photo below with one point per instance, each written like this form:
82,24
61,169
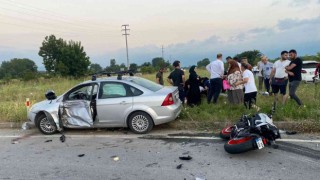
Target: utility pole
162,51
126,34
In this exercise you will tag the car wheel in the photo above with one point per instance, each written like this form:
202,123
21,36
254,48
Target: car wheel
45,125
140,123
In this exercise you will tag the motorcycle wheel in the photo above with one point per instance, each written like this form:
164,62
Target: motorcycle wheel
239,145
225,132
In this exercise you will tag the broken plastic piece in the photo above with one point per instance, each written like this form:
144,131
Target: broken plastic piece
115,158
179,166
291,132
185,157
14,141
63,138
48,141
197,178
25,126
80,155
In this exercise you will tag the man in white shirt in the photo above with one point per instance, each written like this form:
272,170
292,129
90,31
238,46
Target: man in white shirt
279,77
216,69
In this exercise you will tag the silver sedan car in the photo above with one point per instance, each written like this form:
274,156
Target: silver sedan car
127,101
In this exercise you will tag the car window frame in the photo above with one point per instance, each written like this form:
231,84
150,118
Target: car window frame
66,95
129,93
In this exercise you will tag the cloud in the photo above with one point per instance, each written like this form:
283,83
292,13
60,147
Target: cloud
293,23
300,34
297,3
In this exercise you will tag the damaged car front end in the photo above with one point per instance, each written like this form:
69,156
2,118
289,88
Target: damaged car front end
45,115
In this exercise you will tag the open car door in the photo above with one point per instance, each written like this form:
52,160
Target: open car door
78,106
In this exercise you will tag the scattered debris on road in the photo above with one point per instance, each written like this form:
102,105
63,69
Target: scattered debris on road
50,140
179,166
291,132
197,178
62,138
185,157
115,158
80,155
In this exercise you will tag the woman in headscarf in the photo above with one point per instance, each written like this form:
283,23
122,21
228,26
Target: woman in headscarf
193,96
235,93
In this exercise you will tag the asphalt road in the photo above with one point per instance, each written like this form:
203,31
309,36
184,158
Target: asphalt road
122,155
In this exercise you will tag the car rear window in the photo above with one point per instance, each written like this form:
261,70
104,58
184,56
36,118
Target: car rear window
309,65
152,86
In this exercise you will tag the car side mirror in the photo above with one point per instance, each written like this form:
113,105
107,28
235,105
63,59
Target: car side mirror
50,95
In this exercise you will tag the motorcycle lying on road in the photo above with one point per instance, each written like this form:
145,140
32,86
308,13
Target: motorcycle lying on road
250,133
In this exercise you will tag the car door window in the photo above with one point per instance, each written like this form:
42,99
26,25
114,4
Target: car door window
112,90
82,92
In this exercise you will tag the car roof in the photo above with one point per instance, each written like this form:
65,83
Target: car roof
111,78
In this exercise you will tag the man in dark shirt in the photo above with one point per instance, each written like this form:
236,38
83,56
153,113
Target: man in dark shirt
177,78
159,76
294,74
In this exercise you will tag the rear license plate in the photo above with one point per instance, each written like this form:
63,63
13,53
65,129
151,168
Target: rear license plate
259,143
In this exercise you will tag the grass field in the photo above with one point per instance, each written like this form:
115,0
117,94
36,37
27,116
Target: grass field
13,96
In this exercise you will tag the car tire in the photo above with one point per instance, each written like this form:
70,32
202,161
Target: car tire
140,122
46,125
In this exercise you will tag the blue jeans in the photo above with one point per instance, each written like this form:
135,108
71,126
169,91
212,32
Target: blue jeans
293,85
216,87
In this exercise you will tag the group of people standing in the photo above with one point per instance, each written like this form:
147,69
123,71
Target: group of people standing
239,79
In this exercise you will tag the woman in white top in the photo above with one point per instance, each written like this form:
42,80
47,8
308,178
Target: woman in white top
250,94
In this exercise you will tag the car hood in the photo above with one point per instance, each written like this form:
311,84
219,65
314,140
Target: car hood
43,105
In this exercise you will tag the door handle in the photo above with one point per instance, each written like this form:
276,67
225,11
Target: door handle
123,102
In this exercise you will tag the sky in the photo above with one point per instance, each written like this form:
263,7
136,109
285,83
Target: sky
185,30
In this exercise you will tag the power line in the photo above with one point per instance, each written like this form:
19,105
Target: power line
126,34
52,15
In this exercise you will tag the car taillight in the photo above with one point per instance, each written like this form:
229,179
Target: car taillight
168,100
303,71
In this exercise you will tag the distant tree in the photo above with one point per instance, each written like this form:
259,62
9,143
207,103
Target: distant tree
158,62
253,56
112,62
60,57
51,52
318,57
75,59
18,68
203,63
95,68
147,69
114,67
310,57
146,64
133,66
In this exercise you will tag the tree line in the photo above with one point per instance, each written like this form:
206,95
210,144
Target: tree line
68,58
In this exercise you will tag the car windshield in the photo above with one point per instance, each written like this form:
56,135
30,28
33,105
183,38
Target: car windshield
152,86
309,65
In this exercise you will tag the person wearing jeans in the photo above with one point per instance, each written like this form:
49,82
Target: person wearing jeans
294,72
216,69
266,68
